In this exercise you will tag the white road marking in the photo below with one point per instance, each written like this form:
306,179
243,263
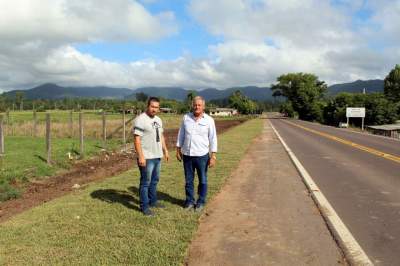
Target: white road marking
352,250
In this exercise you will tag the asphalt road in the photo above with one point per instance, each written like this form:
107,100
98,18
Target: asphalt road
362,187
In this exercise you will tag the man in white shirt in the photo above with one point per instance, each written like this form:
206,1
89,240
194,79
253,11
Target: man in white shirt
150,147
197,147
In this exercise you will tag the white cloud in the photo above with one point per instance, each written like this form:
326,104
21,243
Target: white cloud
260,40
266,38
69,21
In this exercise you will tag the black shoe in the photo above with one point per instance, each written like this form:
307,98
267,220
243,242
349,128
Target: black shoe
157,205
199,207
189,207
148,212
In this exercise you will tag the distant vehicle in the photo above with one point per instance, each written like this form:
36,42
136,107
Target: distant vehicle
343,125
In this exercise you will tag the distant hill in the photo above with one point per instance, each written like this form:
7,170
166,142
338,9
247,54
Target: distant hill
53,91
177,93
375,85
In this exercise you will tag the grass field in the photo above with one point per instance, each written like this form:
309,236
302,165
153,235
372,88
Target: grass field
21,123
101,224
25,159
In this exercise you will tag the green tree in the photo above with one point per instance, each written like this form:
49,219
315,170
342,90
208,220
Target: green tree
243,104
378,109
287,109
19,99
392,84
3,104
304,92
189,98
141,96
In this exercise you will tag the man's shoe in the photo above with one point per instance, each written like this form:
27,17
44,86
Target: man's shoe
148,212
157,205
199,208
189,207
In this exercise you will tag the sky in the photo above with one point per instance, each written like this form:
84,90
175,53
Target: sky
194,43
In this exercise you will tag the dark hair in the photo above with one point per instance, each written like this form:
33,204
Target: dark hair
152,99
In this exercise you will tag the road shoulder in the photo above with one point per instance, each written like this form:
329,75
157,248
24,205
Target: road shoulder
263,216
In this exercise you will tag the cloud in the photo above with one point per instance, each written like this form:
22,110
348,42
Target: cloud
266,38
258,40
71,21
37,36
309,23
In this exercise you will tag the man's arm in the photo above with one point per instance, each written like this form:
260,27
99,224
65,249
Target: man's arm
180,140
212,137
164,147
139,151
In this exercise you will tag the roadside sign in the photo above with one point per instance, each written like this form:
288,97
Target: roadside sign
355,112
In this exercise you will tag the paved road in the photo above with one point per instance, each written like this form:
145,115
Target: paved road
363,188
263,216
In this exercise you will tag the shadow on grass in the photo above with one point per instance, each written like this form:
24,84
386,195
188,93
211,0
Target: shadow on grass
116,196
162,196
40,158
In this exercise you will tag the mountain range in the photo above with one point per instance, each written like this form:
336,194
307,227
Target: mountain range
374,85
53,91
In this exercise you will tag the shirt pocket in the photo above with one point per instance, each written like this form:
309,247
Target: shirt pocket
202,129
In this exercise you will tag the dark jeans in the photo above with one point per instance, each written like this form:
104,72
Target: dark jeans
200,164
149,176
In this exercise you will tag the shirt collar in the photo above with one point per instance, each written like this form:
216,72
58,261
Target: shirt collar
192,115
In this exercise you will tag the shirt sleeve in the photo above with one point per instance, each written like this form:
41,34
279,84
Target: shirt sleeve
181,134
161,125
138,128
212,136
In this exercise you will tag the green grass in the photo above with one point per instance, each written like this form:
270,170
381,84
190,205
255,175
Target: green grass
25,158
58,116
102,225
18,117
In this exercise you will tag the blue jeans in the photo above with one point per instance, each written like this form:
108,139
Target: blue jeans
149,176
200,164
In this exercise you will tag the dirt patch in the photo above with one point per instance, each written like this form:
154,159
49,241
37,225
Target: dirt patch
105,165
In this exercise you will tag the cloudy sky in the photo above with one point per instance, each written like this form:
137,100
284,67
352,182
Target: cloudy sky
194,43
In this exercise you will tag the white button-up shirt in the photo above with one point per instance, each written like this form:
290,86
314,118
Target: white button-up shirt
197,138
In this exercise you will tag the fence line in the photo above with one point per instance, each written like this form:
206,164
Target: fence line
51,129
81,143
1,135
48,138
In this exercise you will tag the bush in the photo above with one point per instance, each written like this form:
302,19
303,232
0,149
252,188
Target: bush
379,110
8,192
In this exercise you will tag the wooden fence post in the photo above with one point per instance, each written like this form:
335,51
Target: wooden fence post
34,129
124,129
48,138
1,135
104,130
71,124
8,116
81,149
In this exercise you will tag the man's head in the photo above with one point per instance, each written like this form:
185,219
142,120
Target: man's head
198,105
153,106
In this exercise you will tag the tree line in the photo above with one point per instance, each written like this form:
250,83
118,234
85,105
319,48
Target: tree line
306,99
237,100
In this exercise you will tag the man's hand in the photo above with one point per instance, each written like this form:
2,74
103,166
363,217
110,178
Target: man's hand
213,161
166,156
178,154
142,161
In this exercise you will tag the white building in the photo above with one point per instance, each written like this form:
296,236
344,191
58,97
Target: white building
223,112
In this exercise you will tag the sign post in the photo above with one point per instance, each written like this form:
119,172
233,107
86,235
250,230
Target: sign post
356,112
